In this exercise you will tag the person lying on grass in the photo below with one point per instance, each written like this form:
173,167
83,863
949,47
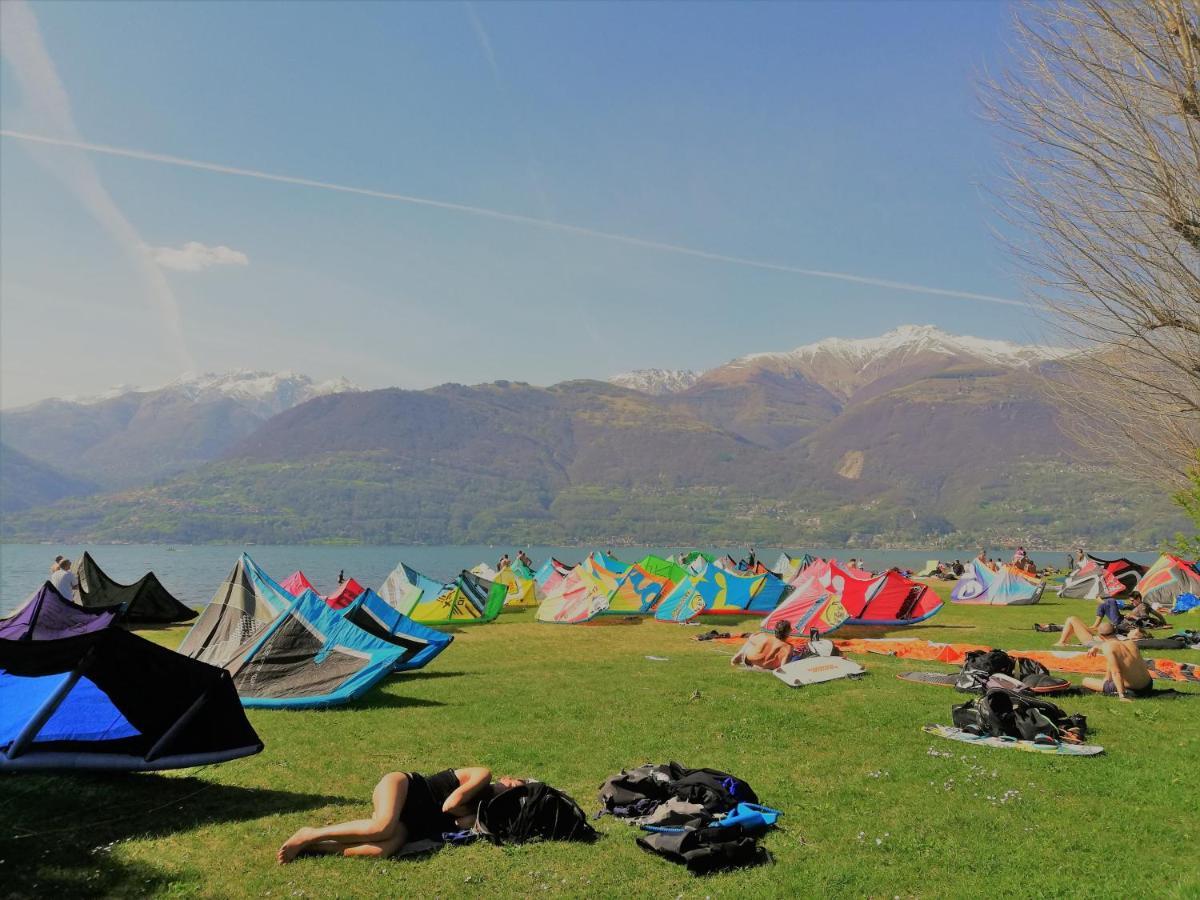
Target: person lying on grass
766,651
408,807
1075,631
1126,675
1132,625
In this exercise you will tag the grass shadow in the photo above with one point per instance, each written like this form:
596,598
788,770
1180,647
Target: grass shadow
895,632
383,700
422,675
58,831
608,621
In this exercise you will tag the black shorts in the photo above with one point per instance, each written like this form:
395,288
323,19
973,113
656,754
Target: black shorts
1110,688
422,814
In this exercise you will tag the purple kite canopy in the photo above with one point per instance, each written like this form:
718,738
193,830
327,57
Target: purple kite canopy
47,616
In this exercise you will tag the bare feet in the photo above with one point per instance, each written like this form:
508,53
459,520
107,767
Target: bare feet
294,845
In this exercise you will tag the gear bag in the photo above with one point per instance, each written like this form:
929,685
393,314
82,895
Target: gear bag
639,791
1004,713
980,665
532,812
1038,679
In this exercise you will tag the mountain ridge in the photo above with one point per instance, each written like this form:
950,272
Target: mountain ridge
924,443
125,437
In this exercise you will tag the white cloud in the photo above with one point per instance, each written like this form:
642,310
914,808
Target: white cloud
195,257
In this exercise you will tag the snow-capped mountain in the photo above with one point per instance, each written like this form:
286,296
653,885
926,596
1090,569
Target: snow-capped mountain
128,435
844,366
848,367
911,340
263,393
656,381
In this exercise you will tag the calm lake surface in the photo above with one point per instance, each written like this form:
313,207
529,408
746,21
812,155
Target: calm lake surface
193,573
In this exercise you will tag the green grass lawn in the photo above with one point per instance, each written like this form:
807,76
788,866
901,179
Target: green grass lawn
874,807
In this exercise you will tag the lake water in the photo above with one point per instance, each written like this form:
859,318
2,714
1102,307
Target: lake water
192,573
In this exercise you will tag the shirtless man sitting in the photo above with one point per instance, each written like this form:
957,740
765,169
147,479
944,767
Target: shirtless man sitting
1126,675
765,651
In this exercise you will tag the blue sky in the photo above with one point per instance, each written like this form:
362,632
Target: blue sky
830,136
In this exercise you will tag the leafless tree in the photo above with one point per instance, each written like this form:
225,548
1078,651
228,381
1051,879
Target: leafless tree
1103,119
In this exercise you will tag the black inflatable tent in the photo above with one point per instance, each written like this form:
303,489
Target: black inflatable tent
113,700
145,601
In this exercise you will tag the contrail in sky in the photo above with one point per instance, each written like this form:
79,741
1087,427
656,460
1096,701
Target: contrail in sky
48,104
510,217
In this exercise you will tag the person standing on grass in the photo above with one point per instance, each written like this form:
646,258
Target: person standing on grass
64,580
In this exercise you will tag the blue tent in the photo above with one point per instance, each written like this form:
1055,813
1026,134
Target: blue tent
377,617
312,656
112,700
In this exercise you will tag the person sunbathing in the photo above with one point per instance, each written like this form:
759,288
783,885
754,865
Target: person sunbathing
765,651
1076,631
408,807
1143,615
1126,675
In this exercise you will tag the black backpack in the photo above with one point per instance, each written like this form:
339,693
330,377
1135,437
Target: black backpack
532,812
1038,679
1002,713
979,666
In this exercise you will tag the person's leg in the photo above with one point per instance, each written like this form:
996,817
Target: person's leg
388,799
1074,631
372,849
379,848
1098,685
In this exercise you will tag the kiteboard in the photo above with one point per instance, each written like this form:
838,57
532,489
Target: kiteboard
1171,670
957,734
940,678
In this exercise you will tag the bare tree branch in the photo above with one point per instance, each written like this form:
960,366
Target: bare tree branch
1103,120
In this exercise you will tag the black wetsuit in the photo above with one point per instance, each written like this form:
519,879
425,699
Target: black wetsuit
422,813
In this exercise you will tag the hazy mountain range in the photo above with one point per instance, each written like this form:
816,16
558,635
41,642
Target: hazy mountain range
917,437
131,436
